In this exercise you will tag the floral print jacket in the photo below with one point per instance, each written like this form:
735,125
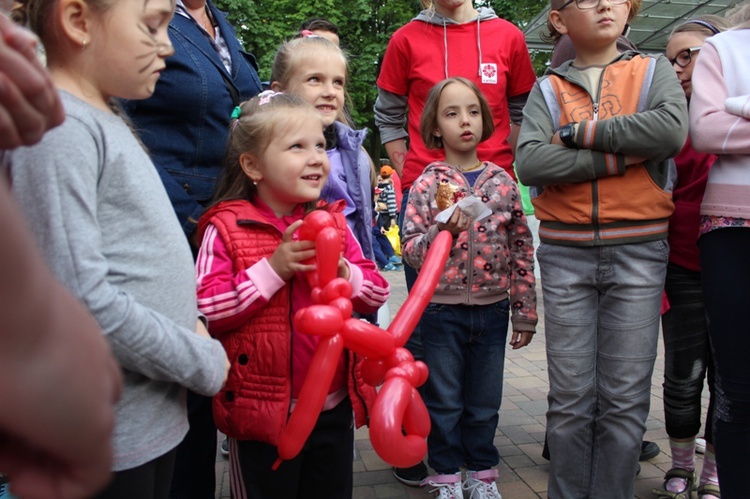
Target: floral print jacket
491,261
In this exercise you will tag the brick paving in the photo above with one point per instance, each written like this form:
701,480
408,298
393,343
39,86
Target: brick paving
519,436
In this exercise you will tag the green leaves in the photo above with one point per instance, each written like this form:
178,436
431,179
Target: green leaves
365,26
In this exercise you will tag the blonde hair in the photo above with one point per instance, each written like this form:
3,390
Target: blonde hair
739,15
429,5
708,25
251,133
430,112
289,55
552,34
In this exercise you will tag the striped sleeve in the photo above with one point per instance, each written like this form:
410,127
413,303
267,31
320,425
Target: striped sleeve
228,298
370,290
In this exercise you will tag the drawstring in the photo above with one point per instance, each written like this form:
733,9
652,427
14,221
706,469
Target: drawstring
445,47
479,46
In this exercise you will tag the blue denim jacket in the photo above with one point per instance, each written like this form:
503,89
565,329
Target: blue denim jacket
185,124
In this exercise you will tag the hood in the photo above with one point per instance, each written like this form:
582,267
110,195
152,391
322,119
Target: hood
440,167
563,69
347,137
431,17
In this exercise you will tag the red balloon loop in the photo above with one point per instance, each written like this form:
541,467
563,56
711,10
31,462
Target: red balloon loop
416,417
408,371
398,408
386,423
423,371
317,295
396,372
366,339
323,320
399,355
311,399
344,305
337,288
373,371
327,253
314,222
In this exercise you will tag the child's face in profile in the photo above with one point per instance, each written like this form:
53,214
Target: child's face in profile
137,31
680,48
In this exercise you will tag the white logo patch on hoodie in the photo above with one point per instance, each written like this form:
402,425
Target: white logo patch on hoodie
488,72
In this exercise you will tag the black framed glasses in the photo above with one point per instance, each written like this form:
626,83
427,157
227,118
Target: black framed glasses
589,4
684,57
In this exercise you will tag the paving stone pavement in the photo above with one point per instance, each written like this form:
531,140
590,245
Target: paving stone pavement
519,436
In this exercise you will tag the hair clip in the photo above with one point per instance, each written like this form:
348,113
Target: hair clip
265,96
705,24
236,113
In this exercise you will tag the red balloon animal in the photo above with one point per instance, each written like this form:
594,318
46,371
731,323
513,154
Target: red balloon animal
399,423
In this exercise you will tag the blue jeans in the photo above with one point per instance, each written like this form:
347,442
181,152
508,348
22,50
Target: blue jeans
464,348
602,309
687,355
725,274
414,344
381,247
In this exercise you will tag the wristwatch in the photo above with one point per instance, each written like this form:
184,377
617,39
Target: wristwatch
567,135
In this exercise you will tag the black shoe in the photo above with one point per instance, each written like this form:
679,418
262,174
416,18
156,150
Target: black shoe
648,450
411,476
545,450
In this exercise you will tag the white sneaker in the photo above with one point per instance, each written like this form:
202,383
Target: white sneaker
700,445
481,484
445,486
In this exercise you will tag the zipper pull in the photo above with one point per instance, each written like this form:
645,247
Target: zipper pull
596,110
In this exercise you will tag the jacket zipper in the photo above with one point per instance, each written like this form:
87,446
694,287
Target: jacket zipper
595,182
351,361
470,238
291,351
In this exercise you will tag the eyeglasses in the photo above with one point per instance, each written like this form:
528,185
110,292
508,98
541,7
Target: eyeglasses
684,57
589,4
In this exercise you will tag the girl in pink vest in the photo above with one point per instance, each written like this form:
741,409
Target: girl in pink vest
251,281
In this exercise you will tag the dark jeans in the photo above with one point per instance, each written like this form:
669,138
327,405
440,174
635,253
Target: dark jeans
687,355
147,481
322,470
725,274
464,348
382,247
414,344
195,464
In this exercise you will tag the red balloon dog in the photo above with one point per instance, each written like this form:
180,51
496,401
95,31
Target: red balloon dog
399,423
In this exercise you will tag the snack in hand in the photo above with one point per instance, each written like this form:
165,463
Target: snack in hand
448,195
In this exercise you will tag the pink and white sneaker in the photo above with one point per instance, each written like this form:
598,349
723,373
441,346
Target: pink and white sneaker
481,484
445,486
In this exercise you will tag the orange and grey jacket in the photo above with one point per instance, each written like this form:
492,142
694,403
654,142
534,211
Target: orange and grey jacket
587,196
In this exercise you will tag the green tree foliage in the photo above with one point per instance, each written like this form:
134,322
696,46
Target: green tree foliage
365,28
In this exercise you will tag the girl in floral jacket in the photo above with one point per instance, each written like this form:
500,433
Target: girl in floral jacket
489,276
